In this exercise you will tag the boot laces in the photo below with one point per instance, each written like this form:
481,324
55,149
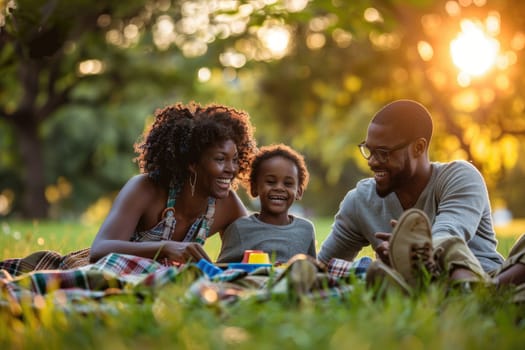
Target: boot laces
422,255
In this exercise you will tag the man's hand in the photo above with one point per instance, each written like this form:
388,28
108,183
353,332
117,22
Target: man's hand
382,249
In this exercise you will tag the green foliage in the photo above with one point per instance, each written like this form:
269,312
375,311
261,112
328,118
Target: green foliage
318,99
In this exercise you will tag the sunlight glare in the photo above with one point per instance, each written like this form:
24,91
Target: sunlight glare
463,79
4,205
452,8
518,41
275,38
372,15
295,5
204,74
473,52
342,38
425,50
315,41
232,59
492,23
7,197
91,67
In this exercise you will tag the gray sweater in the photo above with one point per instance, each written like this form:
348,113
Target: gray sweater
455,200
281,242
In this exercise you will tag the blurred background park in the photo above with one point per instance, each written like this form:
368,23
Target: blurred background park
80,80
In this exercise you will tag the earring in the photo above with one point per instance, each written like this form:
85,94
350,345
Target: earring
193,181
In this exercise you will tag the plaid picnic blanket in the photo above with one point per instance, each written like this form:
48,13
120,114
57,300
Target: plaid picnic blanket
315,282
45,260
120,274
115,273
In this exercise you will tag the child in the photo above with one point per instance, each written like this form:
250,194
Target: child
278,177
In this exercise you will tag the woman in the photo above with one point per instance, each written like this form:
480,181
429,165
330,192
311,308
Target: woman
191,160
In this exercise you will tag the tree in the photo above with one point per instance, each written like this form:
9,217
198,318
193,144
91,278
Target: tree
43,45
342,70
75,89
78,68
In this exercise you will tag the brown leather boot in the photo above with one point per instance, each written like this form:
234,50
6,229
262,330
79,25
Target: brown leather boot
410,249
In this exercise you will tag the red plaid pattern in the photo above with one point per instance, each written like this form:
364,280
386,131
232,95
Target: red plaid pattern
339,268
127,274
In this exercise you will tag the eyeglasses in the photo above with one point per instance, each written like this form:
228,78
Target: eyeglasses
382,154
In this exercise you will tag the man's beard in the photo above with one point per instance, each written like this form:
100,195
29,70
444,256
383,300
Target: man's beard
383,193
398,180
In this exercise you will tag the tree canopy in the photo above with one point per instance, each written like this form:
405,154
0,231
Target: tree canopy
80,78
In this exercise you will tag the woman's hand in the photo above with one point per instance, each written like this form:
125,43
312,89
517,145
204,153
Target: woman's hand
184,252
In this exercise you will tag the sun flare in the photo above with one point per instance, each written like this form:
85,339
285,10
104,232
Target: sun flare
473,51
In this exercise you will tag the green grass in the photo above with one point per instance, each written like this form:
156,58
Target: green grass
480,320
19,238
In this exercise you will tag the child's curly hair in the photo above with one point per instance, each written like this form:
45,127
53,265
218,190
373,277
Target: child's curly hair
180,134
279,150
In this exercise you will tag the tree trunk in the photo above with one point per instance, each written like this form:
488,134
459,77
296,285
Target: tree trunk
34,203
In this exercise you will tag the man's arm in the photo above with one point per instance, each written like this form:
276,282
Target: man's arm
462,201
343,241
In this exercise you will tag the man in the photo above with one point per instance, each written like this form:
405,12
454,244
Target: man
452,195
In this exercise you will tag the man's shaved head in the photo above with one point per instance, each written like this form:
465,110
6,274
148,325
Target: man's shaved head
410,118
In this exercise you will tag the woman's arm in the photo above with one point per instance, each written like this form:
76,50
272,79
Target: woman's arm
172,250
139,200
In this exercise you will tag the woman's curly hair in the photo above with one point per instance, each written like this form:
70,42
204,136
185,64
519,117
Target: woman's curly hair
181,133
279,150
